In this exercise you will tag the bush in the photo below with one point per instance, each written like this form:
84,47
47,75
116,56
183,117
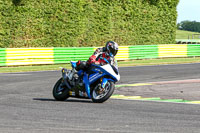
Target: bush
67,23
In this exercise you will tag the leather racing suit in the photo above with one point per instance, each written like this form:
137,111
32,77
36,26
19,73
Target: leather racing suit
96,58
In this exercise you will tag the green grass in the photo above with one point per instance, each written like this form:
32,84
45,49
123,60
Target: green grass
121,64
33,68
181,34
161,61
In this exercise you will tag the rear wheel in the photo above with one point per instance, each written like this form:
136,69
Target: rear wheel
100,95
60,91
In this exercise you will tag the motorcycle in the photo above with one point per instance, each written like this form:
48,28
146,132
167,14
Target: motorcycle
96,83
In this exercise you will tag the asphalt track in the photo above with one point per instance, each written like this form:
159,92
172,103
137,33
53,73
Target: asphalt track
27,105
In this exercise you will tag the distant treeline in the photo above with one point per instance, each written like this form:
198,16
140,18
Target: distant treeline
67,23
189,26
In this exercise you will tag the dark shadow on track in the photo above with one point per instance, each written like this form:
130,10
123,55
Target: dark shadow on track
68,100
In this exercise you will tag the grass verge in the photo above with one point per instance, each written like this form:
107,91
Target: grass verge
181,34
121,64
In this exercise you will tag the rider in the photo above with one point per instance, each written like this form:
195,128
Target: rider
108,52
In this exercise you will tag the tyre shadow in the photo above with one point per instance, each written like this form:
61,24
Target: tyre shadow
68,100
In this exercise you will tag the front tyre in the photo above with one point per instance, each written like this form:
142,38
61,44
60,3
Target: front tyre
60,91
100,95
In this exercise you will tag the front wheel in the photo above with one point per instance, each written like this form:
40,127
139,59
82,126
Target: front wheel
60,91
100,95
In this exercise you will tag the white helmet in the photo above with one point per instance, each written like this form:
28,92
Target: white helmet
112,48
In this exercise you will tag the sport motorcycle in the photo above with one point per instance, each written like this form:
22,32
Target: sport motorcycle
96,83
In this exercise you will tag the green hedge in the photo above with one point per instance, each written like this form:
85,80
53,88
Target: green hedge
59,23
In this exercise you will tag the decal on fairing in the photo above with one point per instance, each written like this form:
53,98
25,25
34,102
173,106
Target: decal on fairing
72,93
94,77
97,70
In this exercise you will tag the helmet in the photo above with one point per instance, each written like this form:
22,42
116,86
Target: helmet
112,48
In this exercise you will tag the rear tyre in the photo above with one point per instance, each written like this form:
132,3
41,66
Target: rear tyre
100,95
60,91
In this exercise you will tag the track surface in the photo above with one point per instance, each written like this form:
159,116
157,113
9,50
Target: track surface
27,105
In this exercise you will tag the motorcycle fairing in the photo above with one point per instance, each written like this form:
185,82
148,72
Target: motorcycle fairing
108,70
73,63
87,86
94,77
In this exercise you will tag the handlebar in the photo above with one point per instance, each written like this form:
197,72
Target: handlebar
106,60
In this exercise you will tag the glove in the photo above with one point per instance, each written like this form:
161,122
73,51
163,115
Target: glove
78,63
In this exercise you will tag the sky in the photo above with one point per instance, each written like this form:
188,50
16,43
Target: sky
188,10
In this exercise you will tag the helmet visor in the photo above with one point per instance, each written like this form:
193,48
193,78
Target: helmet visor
113,51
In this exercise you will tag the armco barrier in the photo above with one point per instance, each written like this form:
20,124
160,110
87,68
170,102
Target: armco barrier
64,55
2,57
193,50
173,50
31,56
143,51
123,53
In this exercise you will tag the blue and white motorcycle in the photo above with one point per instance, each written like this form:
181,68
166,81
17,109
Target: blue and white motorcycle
97,83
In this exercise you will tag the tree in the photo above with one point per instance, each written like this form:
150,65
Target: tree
189,26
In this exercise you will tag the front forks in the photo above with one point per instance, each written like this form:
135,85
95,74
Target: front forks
64,76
